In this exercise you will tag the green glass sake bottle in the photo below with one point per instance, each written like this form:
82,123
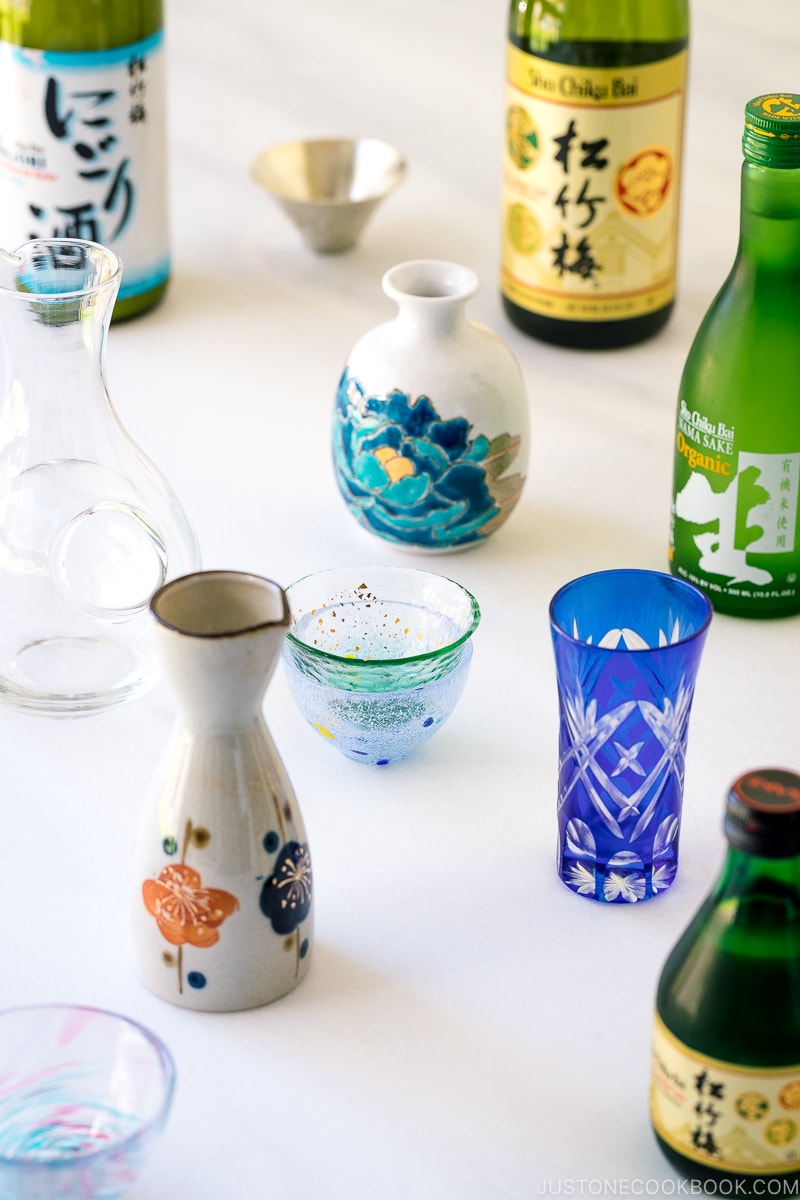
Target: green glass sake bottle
592,168
735,522
725,1080
83,133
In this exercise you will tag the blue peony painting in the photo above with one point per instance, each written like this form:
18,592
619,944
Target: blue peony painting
417,480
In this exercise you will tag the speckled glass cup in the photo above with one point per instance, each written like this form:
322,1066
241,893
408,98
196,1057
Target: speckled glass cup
377,657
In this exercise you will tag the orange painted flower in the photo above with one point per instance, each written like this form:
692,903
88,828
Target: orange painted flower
184,910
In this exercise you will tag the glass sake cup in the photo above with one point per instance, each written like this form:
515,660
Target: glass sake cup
377,657
83,1095
628,645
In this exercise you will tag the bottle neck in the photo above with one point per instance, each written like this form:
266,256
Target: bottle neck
431,296
56,300
742,869
770,217
52,385
757,905
417,317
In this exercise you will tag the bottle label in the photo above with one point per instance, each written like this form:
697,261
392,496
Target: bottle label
733,1118
83,152
732,506
591,187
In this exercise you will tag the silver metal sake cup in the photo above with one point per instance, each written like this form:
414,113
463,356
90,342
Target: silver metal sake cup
329,187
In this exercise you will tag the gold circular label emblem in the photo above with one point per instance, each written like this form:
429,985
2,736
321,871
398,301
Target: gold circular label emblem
522,136
789,1096
524,231
643,182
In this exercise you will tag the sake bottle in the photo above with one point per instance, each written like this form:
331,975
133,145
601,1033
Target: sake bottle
592,167
735,522
83,133
725,1080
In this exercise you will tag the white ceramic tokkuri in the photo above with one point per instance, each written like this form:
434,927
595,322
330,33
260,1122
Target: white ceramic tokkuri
222,896
431,426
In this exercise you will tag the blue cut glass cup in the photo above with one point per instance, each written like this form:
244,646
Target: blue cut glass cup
627,648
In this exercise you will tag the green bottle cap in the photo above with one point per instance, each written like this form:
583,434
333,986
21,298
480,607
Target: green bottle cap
772,130
763,813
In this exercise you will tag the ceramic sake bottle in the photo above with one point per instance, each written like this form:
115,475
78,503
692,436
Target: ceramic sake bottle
430,422
222,903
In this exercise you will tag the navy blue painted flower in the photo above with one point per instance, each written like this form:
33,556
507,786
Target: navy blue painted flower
415,479
286,895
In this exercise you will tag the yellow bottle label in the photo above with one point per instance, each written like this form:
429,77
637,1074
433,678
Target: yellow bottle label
733,1118
591,187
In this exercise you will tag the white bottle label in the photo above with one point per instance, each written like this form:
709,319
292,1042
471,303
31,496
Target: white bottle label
83,152
733,1118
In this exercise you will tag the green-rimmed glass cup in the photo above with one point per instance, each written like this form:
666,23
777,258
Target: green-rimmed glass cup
377,657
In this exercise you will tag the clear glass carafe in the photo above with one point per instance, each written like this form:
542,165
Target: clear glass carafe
89,529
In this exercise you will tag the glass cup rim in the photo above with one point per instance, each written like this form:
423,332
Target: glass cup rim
375,663
681,585
112,1149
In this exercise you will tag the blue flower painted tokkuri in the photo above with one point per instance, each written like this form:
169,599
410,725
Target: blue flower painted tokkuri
415,479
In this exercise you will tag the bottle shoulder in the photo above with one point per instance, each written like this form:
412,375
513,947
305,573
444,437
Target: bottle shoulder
615,33
745,355
95,25
618,23
730,988
599,54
